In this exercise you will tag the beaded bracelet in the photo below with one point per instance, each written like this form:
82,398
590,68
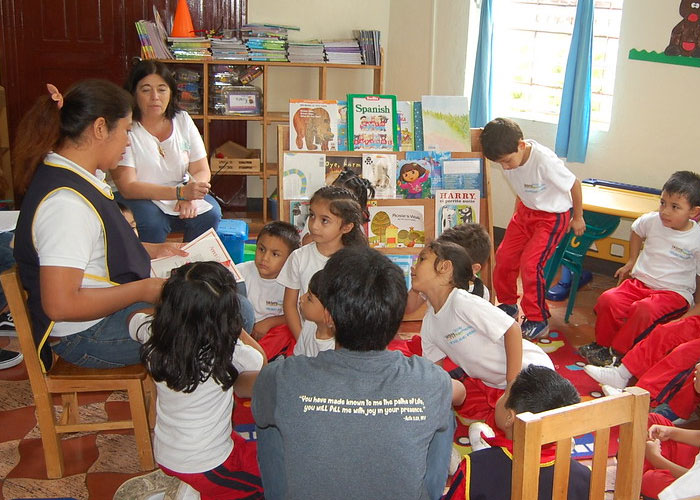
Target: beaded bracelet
178,193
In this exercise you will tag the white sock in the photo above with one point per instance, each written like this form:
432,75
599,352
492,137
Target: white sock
624,372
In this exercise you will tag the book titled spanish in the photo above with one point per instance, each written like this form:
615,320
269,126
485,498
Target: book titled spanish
313,125
454,207
372,123
446,123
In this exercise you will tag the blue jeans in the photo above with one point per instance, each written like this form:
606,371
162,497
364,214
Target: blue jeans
7,260
106,344
154,225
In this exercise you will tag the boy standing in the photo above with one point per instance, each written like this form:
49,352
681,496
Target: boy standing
487,473
358,421
546,192
275,242
663,275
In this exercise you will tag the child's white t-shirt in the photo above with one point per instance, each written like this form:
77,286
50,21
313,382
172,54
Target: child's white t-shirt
543,182
308,344
296,273
266,295
685,486
670,259
471,330
193,430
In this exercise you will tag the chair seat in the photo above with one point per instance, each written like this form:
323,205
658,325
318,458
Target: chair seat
62,369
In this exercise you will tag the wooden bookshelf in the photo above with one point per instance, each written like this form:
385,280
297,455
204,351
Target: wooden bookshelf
268,117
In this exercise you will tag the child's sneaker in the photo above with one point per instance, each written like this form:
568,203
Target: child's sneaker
510,309
609,375
7,324
609,390
146,486
604,357
585,350
8,359
533,330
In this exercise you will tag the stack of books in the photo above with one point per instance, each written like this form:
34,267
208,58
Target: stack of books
229,48
309,51
342,51
185,48
369,45
152,41
266,42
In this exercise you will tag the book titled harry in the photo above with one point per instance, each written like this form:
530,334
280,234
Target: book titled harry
372,123
454,207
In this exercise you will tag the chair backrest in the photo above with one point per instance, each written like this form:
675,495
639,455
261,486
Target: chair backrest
628,410
16,300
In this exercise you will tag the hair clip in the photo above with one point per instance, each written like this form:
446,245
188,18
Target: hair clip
55,94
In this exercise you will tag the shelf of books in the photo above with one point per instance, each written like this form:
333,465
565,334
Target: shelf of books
419,192
228,90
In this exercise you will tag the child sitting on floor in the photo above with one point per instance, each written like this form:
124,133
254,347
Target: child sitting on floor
672,465
276,241
311,343
198,355
663,275
479,337
486,474
335,220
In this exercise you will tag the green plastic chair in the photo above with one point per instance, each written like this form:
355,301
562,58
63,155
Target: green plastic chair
572,249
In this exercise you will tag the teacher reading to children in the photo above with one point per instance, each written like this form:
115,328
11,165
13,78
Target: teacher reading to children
164,175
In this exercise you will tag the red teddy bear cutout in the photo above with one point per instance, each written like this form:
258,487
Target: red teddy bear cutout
685,36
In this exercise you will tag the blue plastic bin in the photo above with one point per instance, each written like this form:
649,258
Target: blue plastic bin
233,234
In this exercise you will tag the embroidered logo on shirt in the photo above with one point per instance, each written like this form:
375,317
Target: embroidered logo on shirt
534,188
460,334
681,253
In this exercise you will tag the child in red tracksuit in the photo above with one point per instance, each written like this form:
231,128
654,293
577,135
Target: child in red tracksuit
663,275
546,192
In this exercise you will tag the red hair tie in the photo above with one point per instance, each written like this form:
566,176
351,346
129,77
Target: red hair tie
55,94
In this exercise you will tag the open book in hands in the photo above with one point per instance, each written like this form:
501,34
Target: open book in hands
206,247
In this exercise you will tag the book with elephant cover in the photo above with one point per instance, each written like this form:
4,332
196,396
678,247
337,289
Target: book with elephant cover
454,207
373,123
313,125
380,170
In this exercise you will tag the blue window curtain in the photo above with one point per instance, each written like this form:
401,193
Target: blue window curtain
575,113
480,111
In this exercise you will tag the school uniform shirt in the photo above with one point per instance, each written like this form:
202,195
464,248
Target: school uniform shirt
307,343
685,486
166,163
266,295
670,259
296,273
193,430
543,182
471,330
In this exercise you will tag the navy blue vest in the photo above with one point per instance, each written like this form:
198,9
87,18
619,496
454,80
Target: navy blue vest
127,259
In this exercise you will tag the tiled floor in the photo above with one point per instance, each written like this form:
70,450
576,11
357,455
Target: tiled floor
97,464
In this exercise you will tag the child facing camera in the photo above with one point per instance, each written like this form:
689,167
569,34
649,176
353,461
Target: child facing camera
198,355
486,473
479,337
276,241
335,220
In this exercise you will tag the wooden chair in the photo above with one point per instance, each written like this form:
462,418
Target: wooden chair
628,410
68,380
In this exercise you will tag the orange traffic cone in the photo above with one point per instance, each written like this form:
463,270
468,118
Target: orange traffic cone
182,24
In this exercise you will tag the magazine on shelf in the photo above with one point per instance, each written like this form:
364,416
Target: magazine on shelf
380,170
405,263
396,226
372,123
298,213
313,125
462,173
205,247
413,179
454,207
304,173
406,130
342,125
336,164
446,123
418,126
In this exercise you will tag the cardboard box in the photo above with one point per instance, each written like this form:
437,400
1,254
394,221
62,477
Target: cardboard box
232,158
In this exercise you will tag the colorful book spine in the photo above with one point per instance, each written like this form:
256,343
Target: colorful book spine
418,126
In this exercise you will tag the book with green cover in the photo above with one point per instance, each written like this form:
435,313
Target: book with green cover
373,124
